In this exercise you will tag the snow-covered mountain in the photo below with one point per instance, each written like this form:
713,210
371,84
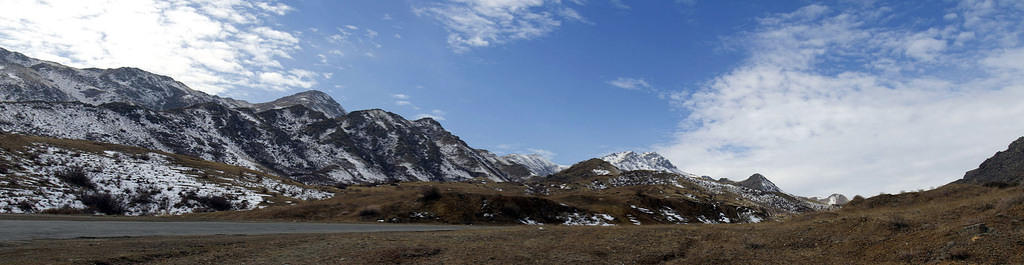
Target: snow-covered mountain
307,136
537,164
369,146
652,161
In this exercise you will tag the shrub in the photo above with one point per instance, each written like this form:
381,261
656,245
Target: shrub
370,211
141,156
430,194
216,203
897,223
144,197
5,168
103,202
76,176
26,206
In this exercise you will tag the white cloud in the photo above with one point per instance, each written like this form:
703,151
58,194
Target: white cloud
400,96
434,114
630,83
484,23
827,102
925,48
213,46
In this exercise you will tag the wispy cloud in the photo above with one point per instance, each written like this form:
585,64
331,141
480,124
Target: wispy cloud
353,39
434,114
619,4
630,83
485,23
213,46
841,101
549,155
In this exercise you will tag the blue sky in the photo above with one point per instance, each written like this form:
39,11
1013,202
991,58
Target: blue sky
856,97
547,93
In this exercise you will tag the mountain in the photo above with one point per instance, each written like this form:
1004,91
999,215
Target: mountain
40,174
307,136
27,79
537,164
369,146
759,182
314,100
1005,167
652,161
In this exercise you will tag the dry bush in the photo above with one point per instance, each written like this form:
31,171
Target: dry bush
65,210
429,194
76,176
103,202
370,211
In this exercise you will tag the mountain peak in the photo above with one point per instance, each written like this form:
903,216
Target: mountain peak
312,99
630,160
759,182
537,164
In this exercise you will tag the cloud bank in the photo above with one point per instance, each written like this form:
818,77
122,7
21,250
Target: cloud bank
847,100
213,46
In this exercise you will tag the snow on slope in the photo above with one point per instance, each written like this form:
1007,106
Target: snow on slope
652,161
146,184
537,164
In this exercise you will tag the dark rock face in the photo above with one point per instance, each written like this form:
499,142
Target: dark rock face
1005,167
759,182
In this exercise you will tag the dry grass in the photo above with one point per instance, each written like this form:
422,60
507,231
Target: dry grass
956,224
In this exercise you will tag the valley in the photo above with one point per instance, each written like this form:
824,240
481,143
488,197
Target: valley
151,171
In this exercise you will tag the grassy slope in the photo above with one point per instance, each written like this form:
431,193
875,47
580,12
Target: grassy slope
938,226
